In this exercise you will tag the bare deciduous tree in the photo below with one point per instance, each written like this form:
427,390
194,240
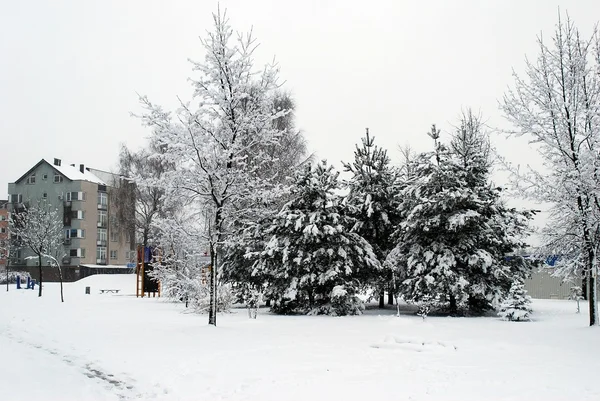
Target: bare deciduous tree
39,228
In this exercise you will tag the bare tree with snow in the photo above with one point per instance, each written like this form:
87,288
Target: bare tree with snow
39,228
217,143
557,106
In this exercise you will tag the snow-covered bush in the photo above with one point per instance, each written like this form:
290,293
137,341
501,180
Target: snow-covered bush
516,307
576,295
342,302
12,276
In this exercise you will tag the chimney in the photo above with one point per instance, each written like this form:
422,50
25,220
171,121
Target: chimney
81,168
57,162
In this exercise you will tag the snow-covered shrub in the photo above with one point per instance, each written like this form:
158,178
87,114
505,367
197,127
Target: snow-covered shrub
12,276
342,302
576,295
516,307
252,299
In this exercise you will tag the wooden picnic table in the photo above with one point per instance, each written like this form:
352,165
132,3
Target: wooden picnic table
113,291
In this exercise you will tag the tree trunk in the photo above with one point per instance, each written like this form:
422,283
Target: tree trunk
381,300
7,265
453,307
60,277
592,290
391,295
40,270
268,304
212,312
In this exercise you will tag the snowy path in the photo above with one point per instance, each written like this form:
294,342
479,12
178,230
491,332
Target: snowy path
117,347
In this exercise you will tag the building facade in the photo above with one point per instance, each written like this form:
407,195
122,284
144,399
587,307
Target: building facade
92,236
3,232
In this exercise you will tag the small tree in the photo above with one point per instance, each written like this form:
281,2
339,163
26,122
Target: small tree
576,295
516,307
372,202
39,228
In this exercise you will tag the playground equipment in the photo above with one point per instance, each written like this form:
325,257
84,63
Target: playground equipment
146,258
30,283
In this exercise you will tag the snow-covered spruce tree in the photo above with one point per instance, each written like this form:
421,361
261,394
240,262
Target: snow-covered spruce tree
217,143
40,228
373,204
517,305
246,233
557,105
313,261
455,232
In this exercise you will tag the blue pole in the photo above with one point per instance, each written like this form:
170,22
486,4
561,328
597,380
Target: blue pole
18,282
28,282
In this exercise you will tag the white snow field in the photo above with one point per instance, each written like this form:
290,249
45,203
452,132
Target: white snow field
119,347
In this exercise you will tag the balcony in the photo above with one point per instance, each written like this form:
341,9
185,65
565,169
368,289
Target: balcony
101,242
102,224
102,206
101,261
67,241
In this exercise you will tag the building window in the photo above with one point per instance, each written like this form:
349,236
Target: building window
45,177
75,233
101,254
114,235
102,200
131,256
16,198
31,179
77,214
102,234
77,253
45,195
2,230
102,218
73,196
58,178
113,254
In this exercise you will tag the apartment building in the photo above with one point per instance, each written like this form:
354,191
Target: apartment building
93,237
3,230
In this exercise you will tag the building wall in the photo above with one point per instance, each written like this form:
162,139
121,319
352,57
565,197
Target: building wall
83,217
3,227
542,285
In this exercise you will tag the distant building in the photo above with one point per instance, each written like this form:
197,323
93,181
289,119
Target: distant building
93,237
3,228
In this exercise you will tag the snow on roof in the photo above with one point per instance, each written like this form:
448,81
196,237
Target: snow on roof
105,266
73,173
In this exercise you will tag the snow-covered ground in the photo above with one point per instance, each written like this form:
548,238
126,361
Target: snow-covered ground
118,347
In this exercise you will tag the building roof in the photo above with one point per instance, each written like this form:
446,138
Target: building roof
70,172
93,266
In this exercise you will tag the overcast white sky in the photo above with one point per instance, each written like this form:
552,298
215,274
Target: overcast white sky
70,70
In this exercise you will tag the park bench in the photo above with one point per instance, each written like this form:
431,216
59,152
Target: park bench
113,291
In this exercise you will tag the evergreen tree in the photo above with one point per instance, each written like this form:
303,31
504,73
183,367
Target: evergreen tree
456,231
313,262
517,306
372,203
